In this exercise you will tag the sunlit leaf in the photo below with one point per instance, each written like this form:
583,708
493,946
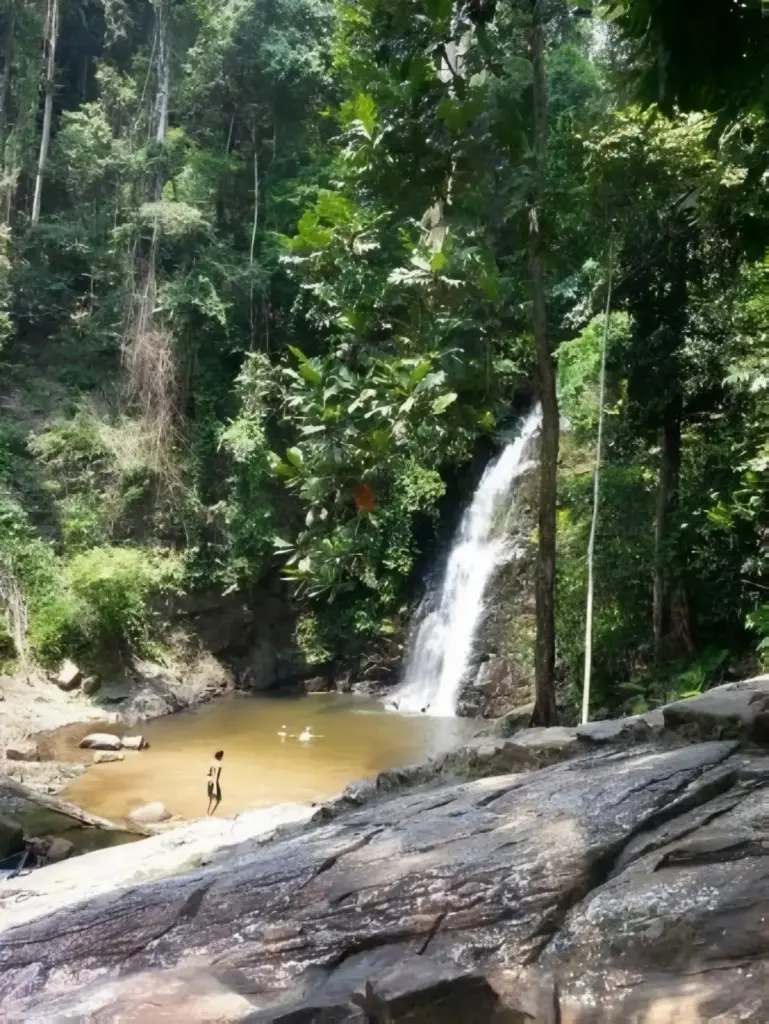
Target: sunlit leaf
442,403
295,457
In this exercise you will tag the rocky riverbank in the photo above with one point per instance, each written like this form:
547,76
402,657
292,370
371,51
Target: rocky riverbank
627,881
36,712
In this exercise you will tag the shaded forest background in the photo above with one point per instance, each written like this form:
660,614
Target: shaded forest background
275,275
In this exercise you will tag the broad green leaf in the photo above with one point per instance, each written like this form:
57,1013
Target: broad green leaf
284,469
442,403
361,110
295,457
310,374
298,353
437,262
335,207
419,372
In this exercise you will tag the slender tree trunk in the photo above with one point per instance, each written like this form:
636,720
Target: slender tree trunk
163,73
162,96
51,34
254,229
5,100
544,707
667,501
5,79
596,500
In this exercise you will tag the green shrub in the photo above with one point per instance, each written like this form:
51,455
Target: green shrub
82,522
105,601
115,586
7,647
57,629
759,622
309,638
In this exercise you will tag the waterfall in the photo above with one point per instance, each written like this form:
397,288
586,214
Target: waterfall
443,644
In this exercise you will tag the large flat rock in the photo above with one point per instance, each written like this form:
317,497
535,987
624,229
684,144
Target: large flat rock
681,925
479,874
104,872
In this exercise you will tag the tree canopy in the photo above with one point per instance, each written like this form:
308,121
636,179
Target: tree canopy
276,276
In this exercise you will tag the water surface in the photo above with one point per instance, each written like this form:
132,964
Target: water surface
356,739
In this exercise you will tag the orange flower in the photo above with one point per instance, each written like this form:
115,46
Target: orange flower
364,497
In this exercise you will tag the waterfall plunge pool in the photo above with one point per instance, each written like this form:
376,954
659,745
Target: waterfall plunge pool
357,738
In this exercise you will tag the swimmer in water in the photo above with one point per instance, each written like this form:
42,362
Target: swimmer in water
214,788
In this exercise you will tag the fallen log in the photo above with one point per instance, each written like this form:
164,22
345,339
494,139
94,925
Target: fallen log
16,790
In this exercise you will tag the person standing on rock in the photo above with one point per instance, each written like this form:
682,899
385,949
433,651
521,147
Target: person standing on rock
214,787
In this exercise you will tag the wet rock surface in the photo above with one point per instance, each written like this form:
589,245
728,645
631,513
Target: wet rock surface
610,884
502,678
732,710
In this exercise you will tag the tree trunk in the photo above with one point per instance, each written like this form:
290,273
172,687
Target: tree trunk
164,74
596,501
544,708
51,35
5,100
5,80
254,229
667,500
162,98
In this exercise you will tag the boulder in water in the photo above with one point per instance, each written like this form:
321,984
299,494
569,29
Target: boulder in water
105,756
134,743
150,814
101,741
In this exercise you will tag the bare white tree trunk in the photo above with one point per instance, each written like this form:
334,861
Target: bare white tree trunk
254,229
51,36
163,94
596,497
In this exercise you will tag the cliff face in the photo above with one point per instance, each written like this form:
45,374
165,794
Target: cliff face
502,673
628,881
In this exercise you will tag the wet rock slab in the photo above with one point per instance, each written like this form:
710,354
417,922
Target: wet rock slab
495,874
680,924
732,710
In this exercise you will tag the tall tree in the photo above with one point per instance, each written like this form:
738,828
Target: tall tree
51,35
544,707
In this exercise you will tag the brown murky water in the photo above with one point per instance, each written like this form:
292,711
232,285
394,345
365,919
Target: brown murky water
356,739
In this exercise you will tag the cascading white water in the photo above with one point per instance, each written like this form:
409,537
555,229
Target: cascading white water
443,644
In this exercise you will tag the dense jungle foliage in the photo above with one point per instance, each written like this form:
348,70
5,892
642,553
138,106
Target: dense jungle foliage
273,271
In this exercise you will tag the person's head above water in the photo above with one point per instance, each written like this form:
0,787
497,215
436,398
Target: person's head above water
219,755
